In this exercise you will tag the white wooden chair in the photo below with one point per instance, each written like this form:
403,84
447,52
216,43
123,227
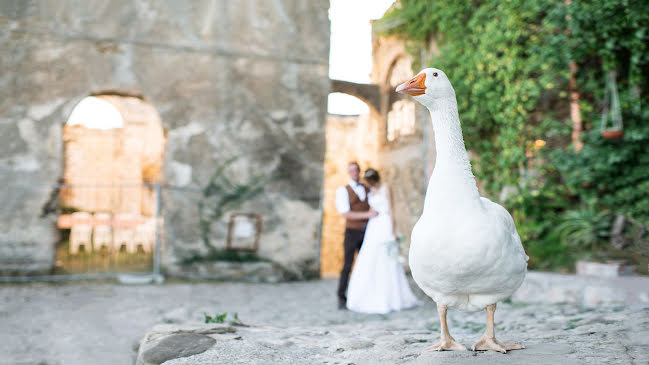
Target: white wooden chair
145,235
102,232
80,232
124,232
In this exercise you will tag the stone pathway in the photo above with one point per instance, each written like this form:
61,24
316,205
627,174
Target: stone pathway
295,323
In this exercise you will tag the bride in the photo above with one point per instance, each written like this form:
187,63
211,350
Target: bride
378,283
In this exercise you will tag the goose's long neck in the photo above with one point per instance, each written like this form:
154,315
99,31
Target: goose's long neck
452,174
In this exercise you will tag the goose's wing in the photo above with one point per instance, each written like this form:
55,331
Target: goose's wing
502,217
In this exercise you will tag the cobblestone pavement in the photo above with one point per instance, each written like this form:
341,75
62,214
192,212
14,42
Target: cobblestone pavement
103,323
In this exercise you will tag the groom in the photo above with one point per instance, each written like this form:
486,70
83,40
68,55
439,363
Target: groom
351,203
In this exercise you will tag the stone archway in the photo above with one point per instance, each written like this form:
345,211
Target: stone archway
370,94
113,148
360,138
400,119
348,138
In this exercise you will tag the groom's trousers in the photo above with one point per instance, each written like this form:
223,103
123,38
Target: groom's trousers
352,243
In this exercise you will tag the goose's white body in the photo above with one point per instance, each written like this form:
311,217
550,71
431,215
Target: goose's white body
465,251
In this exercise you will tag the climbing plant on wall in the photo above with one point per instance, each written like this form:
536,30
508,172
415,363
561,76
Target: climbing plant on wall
509,62
222,195
508,70
611,35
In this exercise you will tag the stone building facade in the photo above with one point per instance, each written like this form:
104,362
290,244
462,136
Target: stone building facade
245,79
395,137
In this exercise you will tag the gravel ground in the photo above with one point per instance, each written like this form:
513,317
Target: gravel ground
103,323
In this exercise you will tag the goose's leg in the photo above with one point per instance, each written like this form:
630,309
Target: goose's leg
446,342
488,340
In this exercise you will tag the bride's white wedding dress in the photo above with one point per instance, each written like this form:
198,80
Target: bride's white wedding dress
378,283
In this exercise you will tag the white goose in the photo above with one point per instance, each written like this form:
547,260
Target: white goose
465,252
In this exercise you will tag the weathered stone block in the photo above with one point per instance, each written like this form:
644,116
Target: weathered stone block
176,346
608,270
166,342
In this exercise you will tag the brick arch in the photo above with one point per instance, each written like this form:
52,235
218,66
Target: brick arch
370,94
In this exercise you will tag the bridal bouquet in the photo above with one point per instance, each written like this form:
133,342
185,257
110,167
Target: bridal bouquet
394,248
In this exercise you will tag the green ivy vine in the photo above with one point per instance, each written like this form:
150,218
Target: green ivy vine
509,62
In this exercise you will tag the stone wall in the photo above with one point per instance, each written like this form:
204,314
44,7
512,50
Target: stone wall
244,79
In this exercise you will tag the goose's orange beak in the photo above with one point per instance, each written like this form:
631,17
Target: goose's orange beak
415,86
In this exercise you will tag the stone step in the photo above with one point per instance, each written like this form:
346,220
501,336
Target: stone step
543,287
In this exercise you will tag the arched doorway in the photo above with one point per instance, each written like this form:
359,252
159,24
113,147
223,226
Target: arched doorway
113,153
401,116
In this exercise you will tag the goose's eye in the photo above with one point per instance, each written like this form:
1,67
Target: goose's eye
435,74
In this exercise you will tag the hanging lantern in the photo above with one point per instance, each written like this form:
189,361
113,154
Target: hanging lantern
612,130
